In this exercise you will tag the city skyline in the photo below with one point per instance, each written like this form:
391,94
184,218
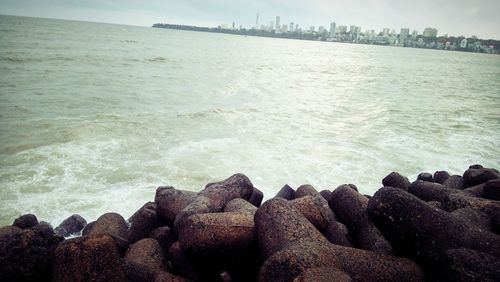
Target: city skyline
458,18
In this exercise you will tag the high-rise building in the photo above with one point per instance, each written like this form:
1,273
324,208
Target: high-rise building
257,21
333,25
430,32
463,43
385,32
271,25
284,28
414,34
341,29
352,29
404,33
321,29
311,29
291,27
277,22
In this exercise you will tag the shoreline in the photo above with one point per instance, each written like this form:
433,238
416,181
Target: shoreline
439,227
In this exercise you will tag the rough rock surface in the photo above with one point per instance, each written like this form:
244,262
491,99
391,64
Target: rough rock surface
71,225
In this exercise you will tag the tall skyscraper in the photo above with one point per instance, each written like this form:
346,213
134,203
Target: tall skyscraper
257,21
385,32
277,22
291,27
404,33
430,32
333,25
414,34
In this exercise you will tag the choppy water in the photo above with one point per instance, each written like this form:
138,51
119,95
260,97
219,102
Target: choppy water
95,116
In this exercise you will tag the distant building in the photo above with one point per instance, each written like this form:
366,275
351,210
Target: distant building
463,43
332,29
430,32
352,29
291,27
341,29
321,29
257,21
277,22
271,25
404,33
284,28
385,32
311,29
414,34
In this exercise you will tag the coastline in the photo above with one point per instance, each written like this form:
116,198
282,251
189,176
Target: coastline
439,227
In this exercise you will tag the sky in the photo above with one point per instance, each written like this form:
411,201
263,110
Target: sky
453,17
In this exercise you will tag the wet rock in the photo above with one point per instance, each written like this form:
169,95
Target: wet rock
71,225
422,232
279,225
167,277
495,221
360,265
26,221
474,217
474,176
338,234
199,205
142,222
146,252
460,200
475,166
429,191
476,191
425,176
87,228
88,258
256,197
225,276
322,274
350,207
165,237
26,255
240,205
236,186
226,235
440,176
315,209
435,204
396,180
181,264
468,265
169,202
110,223
492,190
455,182
305,190
286,192
326,194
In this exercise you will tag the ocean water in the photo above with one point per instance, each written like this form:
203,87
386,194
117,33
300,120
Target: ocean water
93,117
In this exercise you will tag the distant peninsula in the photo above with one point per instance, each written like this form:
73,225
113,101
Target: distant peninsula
450,43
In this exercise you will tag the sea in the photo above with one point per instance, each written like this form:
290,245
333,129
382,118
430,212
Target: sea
94,117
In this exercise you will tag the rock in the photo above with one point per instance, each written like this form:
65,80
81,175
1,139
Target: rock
87,228
169,202
110,223
27,255
435,204
474,176
167,277
165,237
240,205
279,225
225,276
71,225
317,211
142,222
360,265
460,200
305,190
491,190
146,252
200,204
396,180
455,182
286,193
226,235
350,207
429,191
440,176
88,258
322,274
256,197
475,166
236,186
425,176
468,265
419,231
181,264
326,194
495,221
474,217
476,191
26,221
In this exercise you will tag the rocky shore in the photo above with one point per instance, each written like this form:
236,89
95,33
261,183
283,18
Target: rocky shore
441,227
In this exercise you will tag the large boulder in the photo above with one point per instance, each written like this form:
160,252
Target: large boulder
142,222
165,237
322,274
27,255
425,176
144,260
256,197
439,177
170,201
475,176
25,221
305,190
350,207
88,258
419,231
468,265
395,179
71,225
286,192
491,190
454,182
110,223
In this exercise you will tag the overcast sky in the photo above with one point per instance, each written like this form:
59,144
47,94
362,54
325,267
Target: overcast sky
454,17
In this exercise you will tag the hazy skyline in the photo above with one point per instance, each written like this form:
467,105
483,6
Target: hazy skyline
449,17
